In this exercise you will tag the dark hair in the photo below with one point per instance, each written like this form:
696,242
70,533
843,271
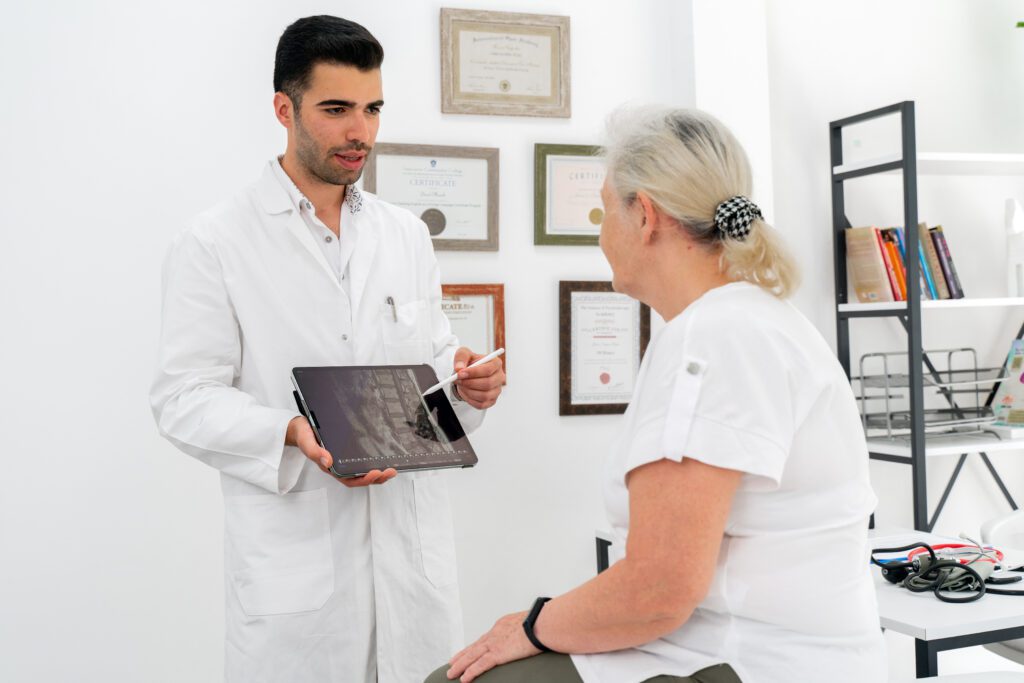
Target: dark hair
322,38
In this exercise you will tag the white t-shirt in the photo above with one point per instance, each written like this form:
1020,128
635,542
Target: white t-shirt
742,380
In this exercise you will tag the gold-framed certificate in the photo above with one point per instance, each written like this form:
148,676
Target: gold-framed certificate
504,63
477,316
454,190
567,205
602,338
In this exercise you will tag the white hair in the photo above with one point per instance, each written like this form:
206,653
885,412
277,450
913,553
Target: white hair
688,163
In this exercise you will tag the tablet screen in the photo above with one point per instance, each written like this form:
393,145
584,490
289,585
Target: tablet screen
374,417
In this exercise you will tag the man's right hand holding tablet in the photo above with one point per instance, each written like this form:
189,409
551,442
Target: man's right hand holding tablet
301,435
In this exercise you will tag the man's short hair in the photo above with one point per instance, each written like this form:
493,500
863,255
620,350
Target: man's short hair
322,38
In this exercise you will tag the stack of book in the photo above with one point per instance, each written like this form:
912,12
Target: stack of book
876,261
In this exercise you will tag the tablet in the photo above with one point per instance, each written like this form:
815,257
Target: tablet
375,417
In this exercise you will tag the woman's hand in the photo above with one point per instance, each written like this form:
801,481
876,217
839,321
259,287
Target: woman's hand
505,642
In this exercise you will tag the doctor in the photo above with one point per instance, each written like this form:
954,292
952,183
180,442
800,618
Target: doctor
325,580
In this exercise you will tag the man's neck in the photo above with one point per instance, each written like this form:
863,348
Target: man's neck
325,196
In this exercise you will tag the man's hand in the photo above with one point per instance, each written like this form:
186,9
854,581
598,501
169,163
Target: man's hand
479,386
301,435
505,642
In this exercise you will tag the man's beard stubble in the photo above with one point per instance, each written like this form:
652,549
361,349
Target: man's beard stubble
318,164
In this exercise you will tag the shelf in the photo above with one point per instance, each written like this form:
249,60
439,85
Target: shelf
944,444
939,164
897,307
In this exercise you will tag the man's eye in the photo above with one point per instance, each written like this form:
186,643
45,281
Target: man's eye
334,110
374,111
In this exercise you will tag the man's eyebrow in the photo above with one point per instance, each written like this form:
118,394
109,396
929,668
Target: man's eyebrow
347,103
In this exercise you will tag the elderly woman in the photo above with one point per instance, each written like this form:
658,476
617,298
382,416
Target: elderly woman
739,486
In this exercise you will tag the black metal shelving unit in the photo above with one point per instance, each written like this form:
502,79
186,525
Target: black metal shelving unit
909,316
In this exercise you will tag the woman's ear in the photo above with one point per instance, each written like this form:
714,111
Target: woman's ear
651,217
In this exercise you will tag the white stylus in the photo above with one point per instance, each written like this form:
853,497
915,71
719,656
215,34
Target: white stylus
448,380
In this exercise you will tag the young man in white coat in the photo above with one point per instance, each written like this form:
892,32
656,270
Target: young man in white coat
326,580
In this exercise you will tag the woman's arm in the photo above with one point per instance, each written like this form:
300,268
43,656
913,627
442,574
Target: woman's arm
677,516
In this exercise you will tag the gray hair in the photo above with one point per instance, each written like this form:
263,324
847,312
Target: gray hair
688,163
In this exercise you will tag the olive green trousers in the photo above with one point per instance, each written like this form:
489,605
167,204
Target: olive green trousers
549,667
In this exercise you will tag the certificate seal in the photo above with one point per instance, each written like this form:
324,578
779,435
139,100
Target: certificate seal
605,378
596,216
504,86
435,220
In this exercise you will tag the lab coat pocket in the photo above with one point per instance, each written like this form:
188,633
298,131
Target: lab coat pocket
434,524
405,333
279,551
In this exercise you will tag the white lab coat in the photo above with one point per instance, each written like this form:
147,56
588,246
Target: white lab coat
323,582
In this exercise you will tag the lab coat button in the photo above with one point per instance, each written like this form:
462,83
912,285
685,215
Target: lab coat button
693,368
328,239
344,337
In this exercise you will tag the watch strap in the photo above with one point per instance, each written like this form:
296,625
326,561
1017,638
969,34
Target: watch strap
530,620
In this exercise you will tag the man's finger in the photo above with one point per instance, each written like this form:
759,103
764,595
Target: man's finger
479,396
486,370
481,383
463,357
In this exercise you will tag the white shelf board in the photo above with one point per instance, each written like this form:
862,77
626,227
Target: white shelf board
933,163
939,304
945,444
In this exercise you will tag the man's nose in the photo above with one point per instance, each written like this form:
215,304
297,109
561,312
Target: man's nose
359,130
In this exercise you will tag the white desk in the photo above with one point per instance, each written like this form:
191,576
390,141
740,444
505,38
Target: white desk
935,625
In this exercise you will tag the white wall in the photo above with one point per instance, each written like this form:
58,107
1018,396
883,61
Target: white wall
963,63
124,119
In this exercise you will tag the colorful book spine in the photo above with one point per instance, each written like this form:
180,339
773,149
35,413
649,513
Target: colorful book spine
927,283
932,256
946,259
889,268
889,239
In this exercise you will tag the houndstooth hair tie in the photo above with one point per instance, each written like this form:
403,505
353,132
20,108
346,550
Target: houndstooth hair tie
734,216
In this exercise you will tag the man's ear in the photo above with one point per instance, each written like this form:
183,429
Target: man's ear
651,216
284,109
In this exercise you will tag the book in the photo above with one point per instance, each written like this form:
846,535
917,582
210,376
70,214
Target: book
1008,402
865,267
893,251
894,284
932,256
927,286
946,261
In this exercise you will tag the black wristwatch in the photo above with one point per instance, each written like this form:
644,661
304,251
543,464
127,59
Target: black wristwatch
530,620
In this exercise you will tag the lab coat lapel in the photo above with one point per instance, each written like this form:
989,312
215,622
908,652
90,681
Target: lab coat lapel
275,201
300,231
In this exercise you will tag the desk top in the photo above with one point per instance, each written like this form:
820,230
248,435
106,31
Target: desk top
922,616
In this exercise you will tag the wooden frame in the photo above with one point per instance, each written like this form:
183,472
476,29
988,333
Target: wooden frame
565,346
497,293
541,211
519,91
435,217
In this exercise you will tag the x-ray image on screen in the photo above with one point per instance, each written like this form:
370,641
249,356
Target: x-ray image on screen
375,417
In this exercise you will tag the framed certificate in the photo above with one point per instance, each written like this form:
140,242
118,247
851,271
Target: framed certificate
504,63
602,337
567,203
477,316
453,189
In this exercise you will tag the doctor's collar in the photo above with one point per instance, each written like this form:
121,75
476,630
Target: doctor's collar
353,196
